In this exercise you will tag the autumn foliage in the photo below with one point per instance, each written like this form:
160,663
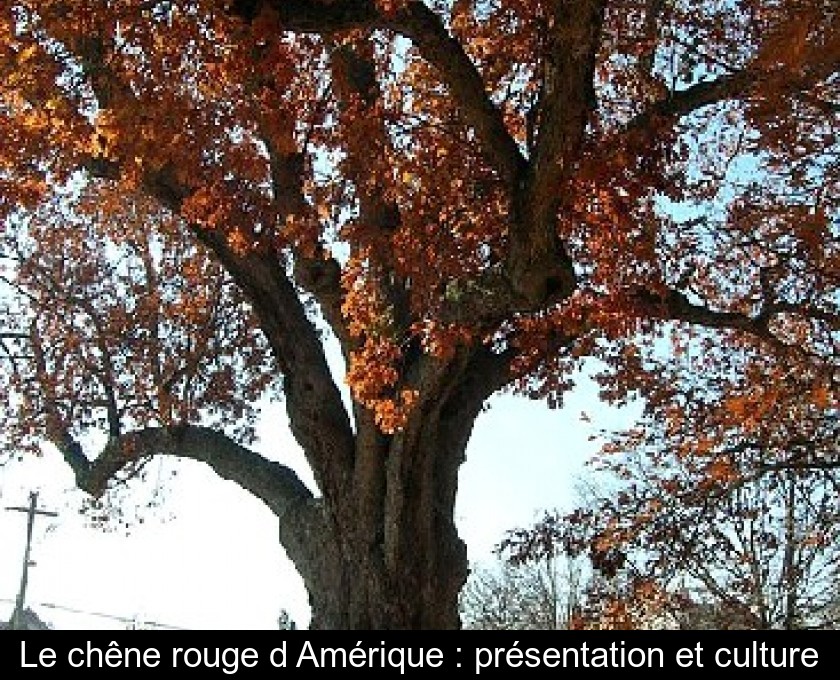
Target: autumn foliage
468,195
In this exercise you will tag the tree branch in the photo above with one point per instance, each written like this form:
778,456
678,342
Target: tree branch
426,30
733,85
318,275
317,416
566,101
682,102
276,485
318,419
359,93
675,306
538,265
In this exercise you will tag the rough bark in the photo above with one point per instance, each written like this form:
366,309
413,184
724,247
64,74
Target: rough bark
390,555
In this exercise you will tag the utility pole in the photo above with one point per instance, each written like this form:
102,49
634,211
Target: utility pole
31,511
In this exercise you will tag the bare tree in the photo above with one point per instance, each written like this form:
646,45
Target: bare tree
539,595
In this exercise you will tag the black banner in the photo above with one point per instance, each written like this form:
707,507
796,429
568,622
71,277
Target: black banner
470,653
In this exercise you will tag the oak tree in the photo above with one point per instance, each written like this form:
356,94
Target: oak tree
468,195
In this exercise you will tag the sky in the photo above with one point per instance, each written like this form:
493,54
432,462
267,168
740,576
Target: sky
207,557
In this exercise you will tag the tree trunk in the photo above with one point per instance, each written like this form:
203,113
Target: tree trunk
387,554
355,588
384,552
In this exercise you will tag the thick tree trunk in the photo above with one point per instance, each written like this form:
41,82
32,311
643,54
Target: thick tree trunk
385,552
387,555
356,589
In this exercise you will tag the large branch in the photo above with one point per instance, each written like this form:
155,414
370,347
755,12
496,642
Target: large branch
318,419
359,94
426,30
276,485
538,265
317,273
567,99
679,307
302,526
676,306
317,416
740,84
681,103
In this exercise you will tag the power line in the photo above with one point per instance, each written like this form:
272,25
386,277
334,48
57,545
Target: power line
101,615
113,617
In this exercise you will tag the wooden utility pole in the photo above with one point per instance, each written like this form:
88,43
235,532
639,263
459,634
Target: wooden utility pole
31,511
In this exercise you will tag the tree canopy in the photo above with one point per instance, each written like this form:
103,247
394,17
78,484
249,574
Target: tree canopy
469,195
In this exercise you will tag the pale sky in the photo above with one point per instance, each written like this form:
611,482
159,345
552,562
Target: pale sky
208,557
